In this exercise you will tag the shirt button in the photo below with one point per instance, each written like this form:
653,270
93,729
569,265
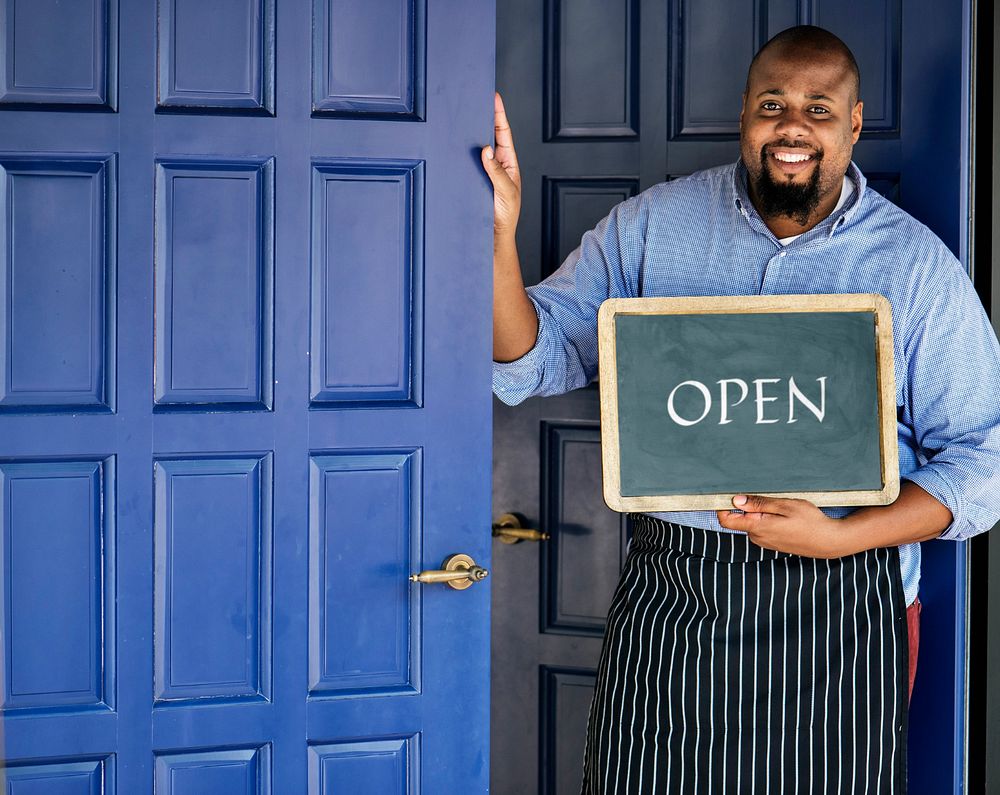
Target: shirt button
782,253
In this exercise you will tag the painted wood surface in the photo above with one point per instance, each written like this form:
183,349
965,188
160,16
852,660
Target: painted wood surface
244,340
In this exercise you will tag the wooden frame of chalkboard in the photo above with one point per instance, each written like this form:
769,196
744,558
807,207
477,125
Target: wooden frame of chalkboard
881,485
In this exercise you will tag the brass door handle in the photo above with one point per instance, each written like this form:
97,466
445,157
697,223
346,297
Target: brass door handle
508,529
458,571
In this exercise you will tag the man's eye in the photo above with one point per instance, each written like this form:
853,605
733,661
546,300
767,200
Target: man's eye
819,110
770,106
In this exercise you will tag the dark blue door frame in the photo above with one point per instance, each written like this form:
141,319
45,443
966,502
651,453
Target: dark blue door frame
938,714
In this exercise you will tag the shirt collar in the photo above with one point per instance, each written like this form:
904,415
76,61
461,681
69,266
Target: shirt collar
836,221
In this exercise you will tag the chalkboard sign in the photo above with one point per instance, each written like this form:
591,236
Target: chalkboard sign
704,398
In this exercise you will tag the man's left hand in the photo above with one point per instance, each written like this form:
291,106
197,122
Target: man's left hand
794,526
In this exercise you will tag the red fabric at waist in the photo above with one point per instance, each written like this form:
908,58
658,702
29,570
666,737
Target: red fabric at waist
913,630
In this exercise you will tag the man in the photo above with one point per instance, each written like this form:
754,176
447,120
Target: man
765,649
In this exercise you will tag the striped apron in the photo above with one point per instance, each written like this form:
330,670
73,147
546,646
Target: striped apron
728,669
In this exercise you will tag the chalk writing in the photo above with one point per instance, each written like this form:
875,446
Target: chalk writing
763,395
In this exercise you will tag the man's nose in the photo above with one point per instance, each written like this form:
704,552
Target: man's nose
794,124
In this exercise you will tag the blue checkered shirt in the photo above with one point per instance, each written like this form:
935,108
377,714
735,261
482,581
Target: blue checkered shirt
701,236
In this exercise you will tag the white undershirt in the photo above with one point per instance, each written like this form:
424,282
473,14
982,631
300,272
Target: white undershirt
845,193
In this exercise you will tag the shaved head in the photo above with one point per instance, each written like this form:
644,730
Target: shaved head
809,43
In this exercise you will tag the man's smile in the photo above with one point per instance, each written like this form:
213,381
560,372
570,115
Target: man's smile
787,157
791,160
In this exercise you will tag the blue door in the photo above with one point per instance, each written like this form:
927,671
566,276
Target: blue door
244,347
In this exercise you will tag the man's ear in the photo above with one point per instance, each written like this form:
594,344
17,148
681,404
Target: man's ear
857,120
743,106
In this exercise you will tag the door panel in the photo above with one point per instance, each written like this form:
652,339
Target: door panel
214,284
236,38
55,344
88,777
566,694
212,582
366,313
346,80
684,94
246,366
73,64
371,766
581,560
591,93
232,770
58,651
380,653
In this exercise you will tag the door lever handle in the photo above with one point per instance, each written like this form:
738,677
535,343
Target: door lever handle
508,529
459,571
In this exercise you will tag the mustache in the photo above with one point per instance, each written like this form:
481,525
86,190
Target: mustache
766,149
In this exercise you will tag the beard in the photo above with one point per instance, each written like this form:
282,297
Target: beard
787,199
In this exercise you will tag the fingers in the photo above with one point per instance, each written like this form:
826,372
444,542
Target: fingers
500,164
501,127
502,135
494,170
753,511
766,505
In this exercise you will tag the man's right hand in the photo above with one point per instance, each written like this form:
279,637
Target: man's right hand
515,324
501,167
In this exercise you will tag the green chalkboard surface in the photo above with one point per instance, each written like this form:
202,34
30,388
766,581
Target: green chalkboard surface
760,395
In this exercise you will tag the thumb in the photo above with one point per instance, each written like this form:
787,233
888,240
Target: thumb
497,173
756,504
493,168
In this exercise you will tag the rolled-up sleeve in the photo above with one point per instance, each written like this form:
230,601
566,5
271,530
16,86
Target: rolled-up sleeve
520,379
952,402
603,266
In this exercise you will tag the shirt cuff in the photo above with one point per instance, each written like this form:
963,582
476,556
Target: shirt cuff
931,481
520,379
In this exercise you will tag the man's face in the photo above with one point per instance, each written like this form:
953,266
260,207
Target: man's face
798,126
